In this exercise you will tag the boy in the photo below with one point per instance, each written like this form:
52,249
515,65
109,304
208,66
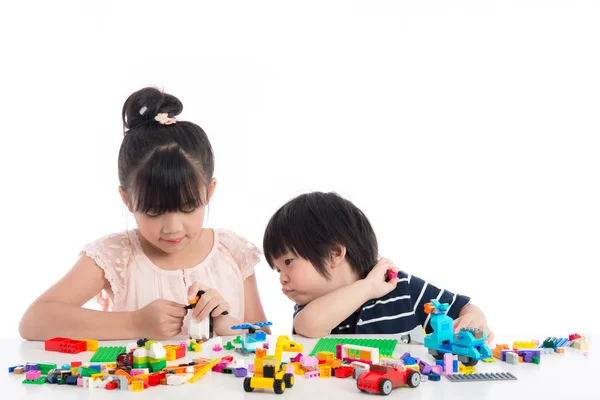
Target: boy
326,252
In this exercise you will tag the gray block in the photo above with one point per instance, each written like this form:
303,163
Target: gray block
512,358
479,377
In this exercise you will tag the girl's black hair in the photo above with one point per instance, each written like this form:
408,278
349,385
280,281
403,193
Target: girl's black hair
313,225
163,168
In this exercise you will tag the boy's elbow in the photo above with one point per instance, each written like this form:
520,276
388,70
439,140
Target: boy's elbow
26,328
308,331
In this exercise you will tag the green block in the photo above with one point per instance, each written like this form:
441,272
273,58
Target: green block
237,339
386,346
140,365
229,346
40,381
108,353
86,372
158,365
536,360
45,368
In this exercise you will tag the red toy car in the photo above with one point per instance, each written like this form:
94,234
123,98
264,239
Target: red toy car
382,379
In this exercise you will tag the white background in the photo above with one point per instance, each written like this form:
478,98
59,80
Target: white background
467,131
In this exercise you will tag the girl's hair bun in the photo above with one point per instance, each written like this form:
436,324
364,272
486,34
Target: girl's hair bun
142,106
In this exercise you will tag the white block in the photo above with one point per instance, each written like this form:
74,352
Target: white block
176,379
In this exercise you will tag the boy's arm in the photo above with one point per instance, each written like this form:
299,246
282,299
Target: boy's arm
422,292
321,315
59,312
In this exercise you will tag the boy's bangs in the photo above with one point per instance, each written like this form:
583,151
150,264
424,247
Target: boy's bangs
167,182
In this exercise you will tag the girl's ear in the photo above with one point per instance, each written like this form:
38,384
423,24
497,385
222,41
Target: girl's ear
337,254
124,198
211,189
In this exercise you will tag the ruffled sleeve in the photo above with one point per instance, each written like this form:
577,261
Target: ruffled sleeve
111,254
245,254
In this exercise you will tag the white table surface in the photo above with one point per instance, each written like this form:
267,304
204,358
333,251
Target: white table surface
559,376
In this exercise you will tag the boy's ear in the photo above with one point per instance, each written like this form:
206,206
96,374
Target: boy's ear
337,255
124,198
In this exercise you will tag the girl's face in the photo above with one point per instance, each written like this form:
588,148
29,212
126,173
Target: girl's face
173,231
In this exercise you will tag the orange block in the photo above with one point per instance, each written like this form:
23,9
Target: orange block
520,359
560,350
126,375
260,353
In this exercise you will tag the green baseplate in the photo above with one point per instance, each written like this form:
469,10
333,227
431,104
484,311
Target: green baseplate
386,346
108,354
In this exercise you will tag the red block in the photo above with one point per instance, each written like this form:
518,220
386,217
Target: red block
54,343
111,385
343,371
75,364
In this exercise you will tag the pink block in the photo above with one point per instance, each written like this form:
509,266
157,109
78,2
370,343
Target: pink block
80,381
250,367
436,369
448,364
289,369
309,361
33,375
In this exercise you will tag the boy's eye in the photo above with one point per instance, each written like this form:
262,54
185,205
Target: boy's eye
288,261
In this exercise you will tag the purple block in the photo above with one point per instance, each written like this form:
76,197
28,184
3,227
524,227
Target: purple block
425,368
503,354
240,372
405,355
31,367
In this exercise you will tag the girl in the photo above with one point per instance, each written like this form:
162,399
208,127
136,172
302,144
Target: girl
147,276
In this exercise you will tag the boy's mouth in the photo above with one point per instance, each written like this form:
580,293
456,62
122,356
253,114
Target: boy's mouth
286,291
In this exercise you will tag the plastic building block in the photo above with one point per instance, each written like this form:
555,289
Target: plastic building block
229,346
237,340
512,358
535,360
325,371
137,386
204,370
524,345
434,377
385,346
65,345
32,367
216,347
91,345
481,377
39,381
107,354
33,375
12,369
240,372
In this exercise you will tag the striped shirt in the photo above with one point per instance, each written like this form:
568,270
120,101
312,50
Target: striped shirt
401,310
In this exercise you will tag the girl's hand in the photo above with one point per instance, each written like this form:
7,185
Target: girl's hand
160,320
472,316
210,302
376,280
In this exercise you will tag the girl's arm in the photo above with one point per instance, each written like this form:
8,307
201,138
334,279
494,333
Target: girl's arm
253,311
59,312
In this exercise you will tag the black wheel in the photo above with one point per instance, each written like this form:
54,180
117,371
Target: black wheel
288,379
436,354
279,386
248,385
468,361
413,379
405,339
385,387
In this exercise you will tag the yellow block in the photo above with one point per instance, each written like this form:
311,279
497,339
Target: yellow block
524,345
204,370
324,355
91,345
415,367
262,383
489,360
325,371
98,376
137,386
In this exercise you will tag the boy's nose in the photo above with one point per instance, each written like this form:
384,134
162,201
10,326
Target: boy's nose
283,279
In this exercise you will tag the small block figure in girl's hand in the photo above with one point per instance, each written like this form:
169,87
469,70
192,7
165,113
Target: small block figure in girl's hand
326,253
143,278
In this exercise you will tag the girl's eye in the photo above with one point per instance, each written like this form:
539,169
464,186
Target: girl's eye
152,215
188,211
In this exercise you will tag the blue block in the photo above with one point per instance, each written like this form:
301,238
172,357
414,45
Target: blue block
455,365
260,336
409,361
65,366
52,379
12,369
71,380
96,367
434,377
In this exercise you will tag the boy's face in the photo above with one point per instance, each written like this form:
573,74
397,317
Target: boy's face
301,282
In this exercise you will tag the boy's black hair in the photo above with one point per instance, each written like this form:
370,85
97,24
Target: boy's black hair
162,168
312,225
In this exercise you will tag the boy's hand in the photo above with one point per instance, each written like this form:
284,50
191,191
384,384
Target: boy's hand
211,300
376,280
160,320
472,316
